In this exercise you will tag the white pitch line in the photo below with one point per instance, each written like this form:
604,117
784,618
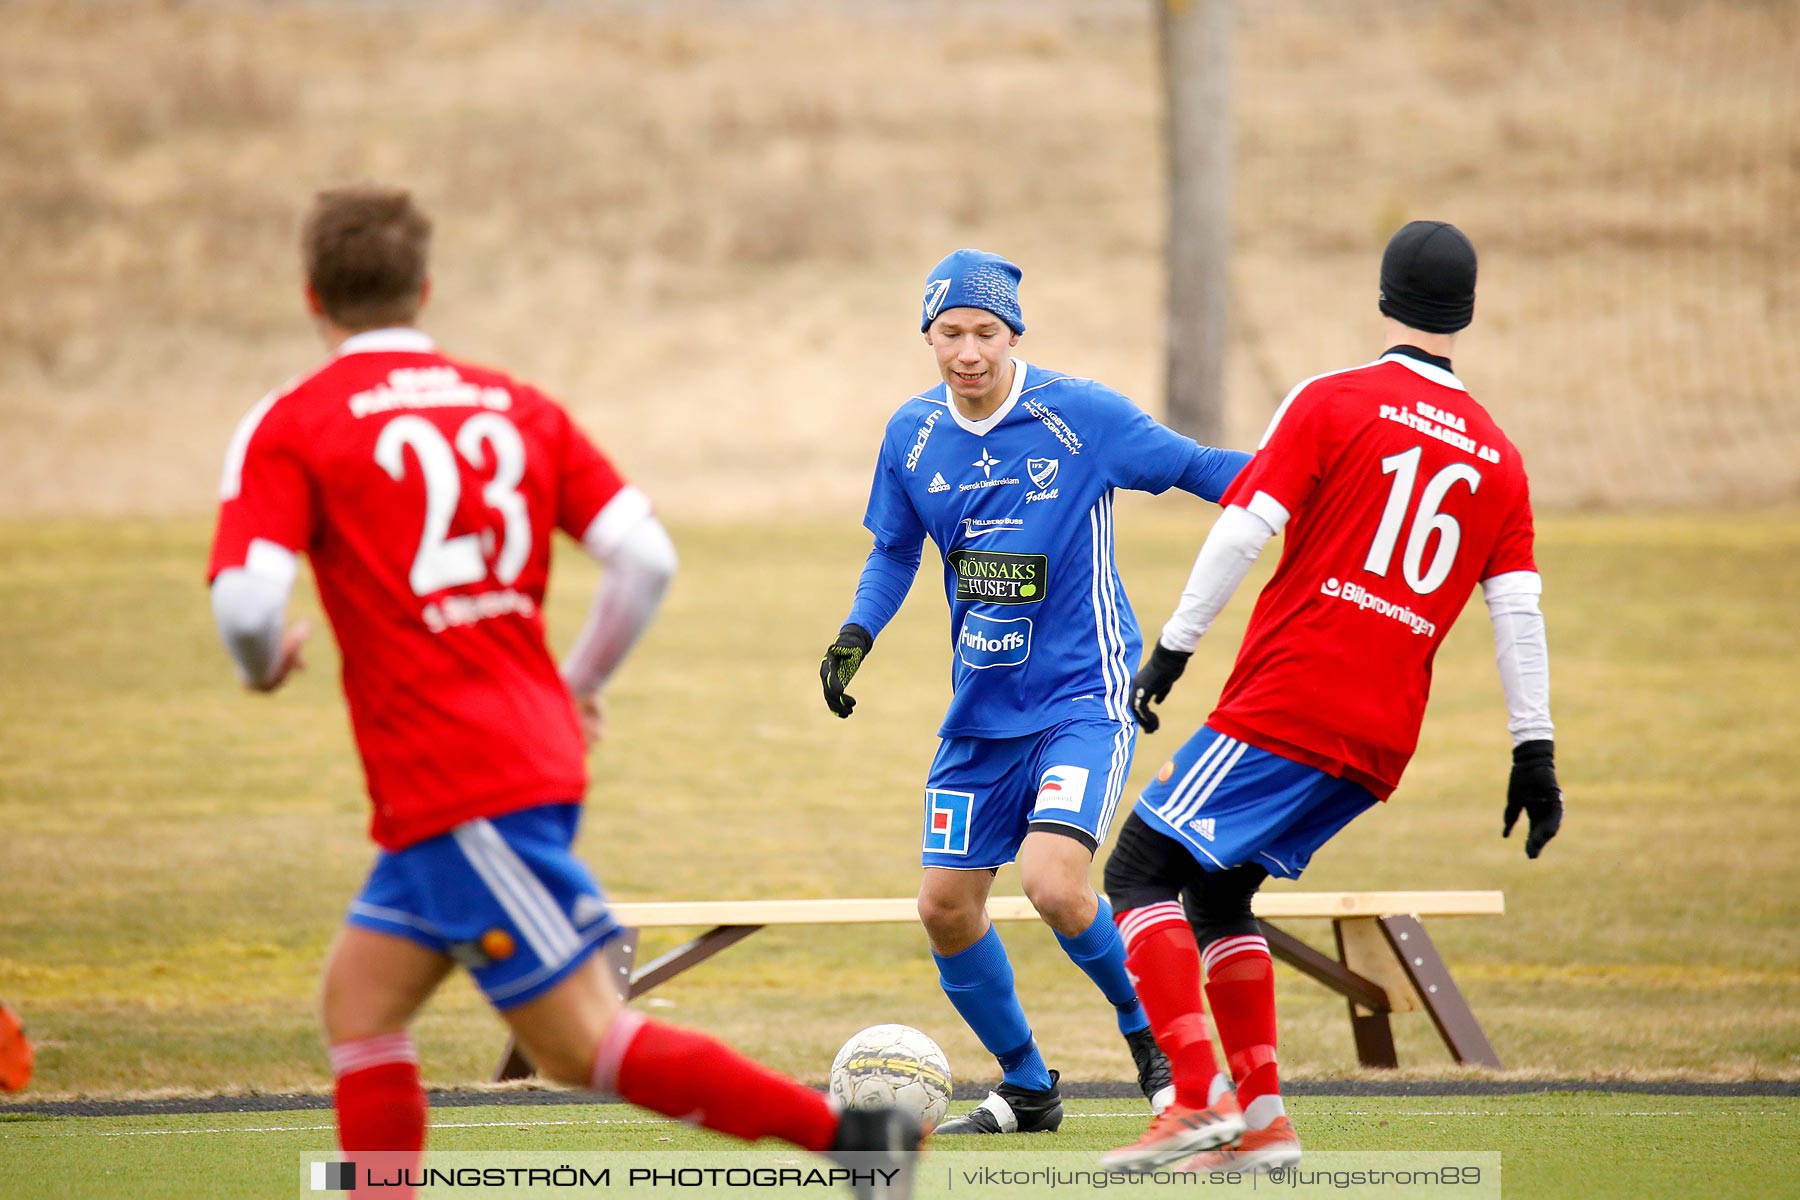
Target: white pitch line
23,1133
319,1128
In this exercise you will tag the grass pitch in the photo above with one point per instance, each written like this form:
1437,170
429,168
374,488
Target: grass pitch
1580,1146
177,853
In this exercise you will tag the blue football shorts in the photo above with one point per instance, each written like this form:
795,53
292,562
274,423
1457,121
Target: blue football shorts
1230,803
984,794
505,897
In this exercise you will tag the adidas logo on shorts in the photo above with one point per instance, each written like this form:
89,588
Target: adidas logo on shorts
1203,827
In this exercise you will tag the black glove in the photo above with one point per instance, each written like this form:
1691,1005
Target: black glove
1153,681
839,667
1533,791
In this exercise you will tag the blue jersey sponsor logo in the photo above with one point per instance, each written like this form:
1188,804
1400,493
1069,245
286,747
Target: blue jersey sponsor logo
989,642
947,821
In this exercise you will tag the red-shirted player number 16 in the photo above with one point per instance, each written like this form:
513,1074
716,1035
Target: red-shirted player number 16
1404,468
444,561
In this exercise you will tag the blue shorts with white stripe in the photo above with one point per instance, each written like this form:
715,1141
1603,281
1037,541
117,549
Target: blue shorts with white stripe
1231,803
505,897
984,794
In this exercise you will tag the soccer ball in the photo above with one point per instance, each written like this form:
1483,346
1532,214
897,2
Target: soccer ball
893,1066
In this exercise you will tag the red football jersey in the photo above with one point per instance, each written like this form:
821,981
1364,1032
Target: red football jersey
1403,495
425,491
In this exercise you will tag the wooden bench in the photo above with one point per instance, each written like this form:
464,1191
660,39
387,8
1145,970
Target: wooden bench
1385,962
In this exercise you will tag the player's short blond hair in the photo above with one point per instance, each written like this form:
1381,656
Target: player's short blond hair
365,248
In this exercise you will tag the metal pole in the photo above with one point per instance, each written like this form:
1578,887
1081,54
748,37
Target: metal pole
1197,37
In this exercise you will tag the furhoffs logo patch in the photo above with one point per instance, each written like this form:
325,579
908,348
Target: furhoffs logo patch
988,642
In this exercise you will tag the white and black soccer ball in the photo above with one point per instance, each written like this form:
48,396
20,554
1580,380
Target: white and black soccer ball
893,1066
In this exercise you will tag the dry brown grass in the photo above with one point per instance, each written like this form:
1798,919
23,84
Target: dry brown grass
705,224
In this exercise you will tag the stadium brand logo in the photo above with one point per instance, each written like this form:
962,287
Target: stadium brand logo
919,440
334,1177
938,484
935,291
1042,470
995,577
1369,602
1063,789
947,821
989,642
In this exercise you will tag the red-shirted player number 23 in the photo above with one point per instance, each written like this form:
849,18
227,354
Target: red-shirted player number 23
1404,467
444,561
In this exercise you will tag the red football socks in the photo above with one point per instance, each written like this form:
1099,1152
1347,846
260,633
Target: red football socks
688,1075
1164,962
380,1105
1240,983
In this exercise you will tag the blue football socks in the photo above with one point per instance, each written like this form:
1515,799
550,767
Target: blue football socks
1100,951
979,982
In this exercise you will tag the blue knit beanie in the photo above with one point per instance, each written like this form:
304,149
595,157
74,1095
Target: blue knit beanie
974,279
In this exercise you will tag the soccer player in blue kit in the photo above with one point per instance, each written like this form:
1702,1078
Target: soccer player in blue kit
1010,469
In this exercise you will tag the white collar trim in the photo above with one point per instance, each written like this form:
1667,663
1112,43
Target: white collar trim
1434,373
980,428
394,340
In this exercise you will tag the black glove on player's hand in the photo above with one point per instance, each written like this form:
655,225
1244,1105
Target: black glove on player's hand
1533,791
839,667
1153,681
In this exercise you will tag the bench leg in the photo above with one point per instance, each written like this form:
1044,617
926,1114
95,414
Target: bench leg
1455,1021
618,955
1374,1036
690,954
1368,999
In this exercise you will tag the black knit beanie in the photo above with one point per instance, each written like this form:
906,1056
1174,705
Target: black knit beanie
1428,277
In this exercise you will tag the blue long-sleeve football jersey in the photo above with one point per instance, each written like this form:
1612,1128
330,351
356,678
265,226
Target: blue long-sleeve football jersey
1020,506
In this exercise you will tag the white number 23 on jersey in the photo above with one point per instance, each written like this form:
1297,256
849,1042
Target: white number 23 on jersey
443,561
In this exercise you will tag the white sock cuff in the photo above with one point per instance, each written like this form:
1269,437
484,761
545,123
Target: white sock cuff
1138,923
347,1058
620,1033
1222,951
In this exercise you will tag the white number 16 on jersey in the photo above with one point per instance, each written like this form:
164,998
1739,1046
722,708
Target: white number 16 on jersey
1404,467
